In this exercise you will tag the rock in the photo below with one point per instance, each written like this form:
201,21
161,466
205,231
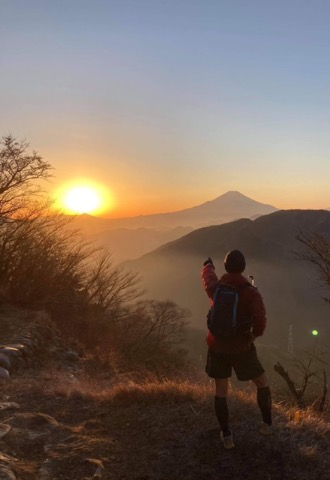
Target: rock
8,405
5,362
17,346
4,376
23,349
11,351
19,363
32,421
27,342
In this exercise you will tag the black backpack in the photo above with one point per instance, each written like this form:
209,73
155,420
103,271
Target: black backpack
223,319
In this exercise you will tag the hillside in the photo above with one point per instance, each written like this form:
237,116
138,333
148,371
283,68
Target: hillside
288,285
129,238
67,416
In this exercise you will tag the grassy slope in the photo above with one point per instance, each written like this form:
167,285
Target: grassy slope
151,431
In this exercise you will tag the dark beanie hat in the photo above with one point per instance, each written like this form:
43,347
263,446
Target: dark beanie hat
235,262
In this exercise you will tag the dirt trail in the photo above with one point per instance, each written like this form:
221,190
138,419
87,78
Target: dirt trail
56,425
75,437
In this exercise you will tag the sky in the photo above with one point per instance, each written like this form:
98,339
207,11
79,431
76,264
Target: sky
166,104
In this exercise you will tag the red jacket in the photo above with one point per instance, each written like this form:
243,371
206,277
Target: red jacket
250,303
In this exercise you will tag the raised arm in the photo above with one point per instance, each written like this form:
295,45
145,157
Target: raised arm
209,278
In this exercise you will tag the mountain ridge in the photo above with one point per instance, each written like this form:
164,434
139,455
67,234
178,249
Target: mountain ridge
289,285
227,207
298,218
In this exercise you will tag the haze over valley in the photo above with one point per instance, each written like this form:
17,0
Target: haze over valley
292,293
168,250
132,237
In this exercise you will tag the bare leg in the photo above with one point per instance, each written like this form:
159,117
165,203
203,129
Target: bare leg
221,387
261,381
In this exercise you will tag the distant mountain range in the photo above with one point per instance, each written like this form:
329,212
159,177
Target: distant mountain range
288,284
132,237
229,206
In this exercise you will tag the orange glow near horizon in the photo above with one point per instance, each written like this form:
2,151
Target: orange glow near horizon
84,196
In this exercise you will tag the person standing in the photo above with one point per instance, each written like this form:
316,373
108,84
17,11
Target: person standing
237,352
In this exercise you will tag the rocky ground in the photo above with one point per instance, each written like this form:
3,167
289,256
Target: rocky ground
53,431
58,422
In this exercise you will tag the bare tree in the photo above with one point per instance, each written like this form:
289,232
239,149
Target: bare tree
154,326
318,254
43,264
108,286
311,373
20,173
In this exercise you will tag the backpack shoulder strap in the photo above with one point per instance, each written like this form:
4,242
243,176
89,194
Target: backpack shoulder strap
222,284
237,287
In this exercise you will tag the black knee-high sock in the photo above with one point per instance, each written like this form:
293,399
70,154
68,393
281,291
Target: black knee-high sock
222,414
264,401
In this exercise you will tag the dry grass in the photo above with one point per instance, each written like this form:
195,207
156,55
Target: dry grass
152,392
168,430
124,391
169,392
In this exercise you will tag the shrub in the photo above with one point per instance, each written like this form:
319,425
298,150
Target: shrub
46,265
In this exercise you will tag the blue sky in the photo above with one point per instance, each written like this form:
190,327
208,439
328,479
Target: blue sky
172,103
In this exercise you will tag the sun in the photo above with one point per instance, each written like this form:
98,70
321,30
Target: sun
83,196
82,199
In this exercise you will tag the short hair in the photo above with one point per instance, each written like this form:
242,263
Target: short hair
235,262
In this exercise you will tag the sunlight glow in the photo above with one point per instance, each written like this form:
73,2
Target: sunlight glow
84,196
82,200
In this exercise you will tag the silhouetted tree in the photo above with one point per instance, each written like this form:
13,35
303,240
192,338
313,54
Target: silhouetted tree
318,254
20,172
154,330
43,263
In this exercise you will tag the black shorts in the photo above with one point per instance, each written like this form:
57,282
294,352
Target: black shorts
246,365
